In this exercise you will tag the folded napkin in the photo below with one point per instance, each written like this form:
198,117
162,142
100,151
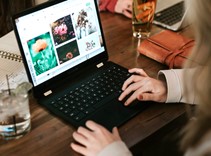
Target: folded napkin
167,47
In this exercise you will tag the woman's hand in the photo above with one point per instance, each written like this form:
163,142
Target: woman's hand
124,7
143,88
93,139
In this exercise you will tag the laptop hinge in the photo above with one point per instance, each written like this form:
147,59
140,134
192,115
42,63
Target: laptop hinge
48,93
100,65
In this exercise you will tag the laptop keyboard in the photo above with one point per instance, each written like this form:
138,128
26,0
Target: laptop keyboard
92,94
171,15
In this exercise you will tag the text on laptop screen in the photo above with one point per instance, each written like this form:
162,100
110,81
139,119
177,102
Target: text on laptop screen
59,37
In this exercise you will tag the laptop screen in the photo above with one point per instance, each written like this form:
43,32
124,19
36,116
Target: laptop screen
58,37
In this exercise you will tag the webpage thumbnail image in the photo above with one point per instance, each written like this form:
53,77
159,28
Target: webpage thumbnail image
84,22
62,30
42,53
67,51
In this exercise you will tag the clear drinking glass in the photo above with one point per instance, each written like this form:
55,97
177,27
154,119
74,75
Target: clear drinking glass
143,15
15,118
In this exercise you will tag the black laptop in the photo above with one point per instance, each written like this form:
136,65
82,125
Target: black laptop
66,60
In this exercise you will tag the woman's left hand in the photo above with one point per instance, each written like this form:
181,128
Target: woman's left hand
93,139
143,88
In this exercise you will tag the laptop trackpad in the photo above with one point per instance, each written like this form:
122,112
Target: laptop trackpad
115,114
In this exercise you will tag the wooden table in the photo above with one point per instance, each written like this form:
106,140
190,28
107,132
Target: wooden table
49,136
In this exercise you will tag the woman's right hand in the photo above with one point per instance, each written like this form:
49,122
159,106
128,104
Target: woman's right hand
124,7
143,88
93,139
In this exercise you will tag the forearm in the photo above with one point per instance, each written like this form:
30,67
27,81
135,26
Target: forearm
117,148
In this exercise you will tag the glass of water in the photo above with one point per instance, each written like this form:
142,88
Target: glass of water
15,118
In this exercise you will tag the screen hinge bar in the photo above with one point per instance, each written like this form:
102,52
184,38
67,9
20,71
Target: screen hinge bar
100,65
48,93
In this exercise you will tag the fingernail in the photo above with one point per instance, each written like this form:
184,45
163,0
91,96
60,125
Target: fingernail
140,97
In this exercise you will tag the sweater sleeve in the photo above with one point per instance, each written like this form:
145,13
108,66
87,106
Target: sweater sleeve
117,148
176,86
107,5
203,149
